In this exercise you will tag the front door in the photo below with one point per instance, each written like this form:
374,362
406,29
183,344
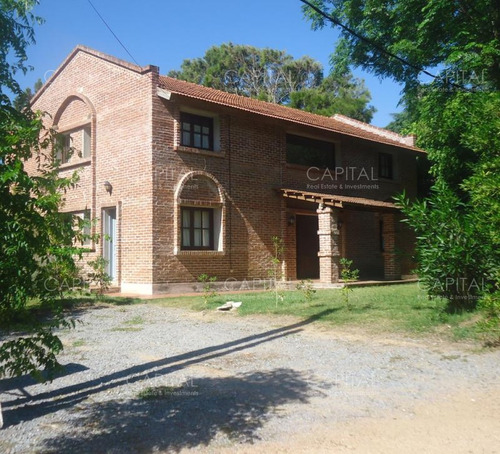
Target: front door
307,247
109,242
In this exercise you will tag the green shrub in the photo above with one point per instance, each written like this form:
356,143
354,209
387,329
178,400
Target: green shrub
453,256
489,325
307,290
98,275
347,275
209,292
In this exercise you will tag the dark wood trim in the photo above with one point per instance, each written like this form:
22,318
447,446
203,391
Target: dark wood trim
201,121
192,229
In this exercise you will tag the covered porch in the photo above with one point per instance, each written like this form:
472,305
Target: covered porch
323,228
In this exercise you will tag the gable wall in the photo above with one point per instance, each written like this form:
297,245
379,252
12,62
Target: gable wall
121,133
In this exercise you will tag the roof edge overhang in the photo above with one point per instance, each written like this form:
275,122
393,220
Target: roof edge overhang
209,100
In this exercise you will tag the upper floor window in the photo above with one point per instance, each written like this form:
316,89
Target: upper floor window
385,166
309,152
74,142
63,147
197,228
197,131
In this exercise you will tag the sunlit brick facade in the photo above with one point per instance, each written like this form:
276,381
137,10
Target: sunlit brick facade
186,180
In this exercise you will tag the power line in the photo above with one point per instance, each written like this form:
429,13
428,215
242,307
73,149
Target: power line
113,33
377,46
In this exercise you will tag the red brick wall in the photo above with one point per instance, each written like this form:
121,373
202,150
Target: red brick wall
253,210
249,167
119,107
136,148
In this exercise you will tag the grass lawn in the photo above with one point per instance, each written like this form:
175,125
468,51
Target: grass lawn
393,308
402,308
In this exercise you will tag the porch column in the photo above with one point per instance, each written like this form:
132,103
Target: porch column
392,265
329,254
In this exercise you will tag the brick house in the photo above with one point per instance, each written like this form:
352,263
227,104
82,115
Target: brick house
186,180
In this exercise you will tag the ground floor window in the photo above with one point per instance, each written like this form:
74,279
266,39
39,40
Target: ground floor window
81,223
85,226
197,228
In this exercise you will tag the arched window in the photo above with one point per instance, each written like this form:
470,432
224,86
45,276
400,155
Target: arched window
75,124
200,213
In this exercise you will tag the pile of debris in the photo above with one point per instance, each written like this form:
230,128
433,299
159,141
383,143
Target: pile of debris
229,306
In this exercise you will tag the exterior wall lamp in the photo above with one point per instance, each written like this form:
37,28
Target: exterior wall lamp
108,187
291,220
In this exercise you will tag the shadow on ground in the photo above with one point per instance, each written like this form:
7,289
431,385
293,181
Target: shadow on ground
22,382
232,408
29,407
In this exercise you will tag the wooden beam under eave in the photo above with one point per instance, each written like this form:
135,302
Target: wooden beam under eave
332,203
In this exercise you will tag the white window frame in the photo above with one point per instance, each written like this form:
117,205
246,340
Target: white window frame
86,142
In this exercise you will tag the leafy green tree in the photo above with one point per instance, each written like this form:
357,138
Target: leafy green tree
22,100
455,118
348,275
378,35
461,130
36,247
401,122
274,76
454,256
209,291
266,74
347,96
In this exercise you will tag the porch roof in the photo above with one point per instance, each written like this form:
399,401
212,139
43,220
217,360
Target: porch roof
338,201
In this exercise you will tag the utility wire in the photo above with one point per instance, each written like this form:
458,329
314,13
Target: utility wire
380,48
113,33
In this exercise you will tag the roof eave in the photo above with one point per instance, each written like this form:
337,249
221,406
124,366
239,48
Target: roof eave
298,122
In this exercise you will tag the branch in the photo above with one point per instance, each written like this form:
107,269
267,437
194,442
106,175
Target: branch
377,46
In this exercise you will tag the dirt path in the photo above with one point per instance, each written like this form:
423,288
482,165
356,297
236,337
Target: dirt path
461,423
224,384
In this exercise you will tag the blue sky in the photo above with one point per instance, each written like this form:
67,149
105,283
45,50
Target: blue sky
164,33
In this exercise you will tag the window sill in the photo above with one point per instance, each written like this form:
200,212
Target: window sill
71,165
187,253
200,151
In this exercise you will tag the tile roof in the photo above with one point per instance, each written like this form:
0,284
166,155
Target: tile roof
338,125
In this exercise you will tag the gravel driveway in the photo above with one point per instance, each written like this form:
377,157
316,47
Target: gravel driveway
224,383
